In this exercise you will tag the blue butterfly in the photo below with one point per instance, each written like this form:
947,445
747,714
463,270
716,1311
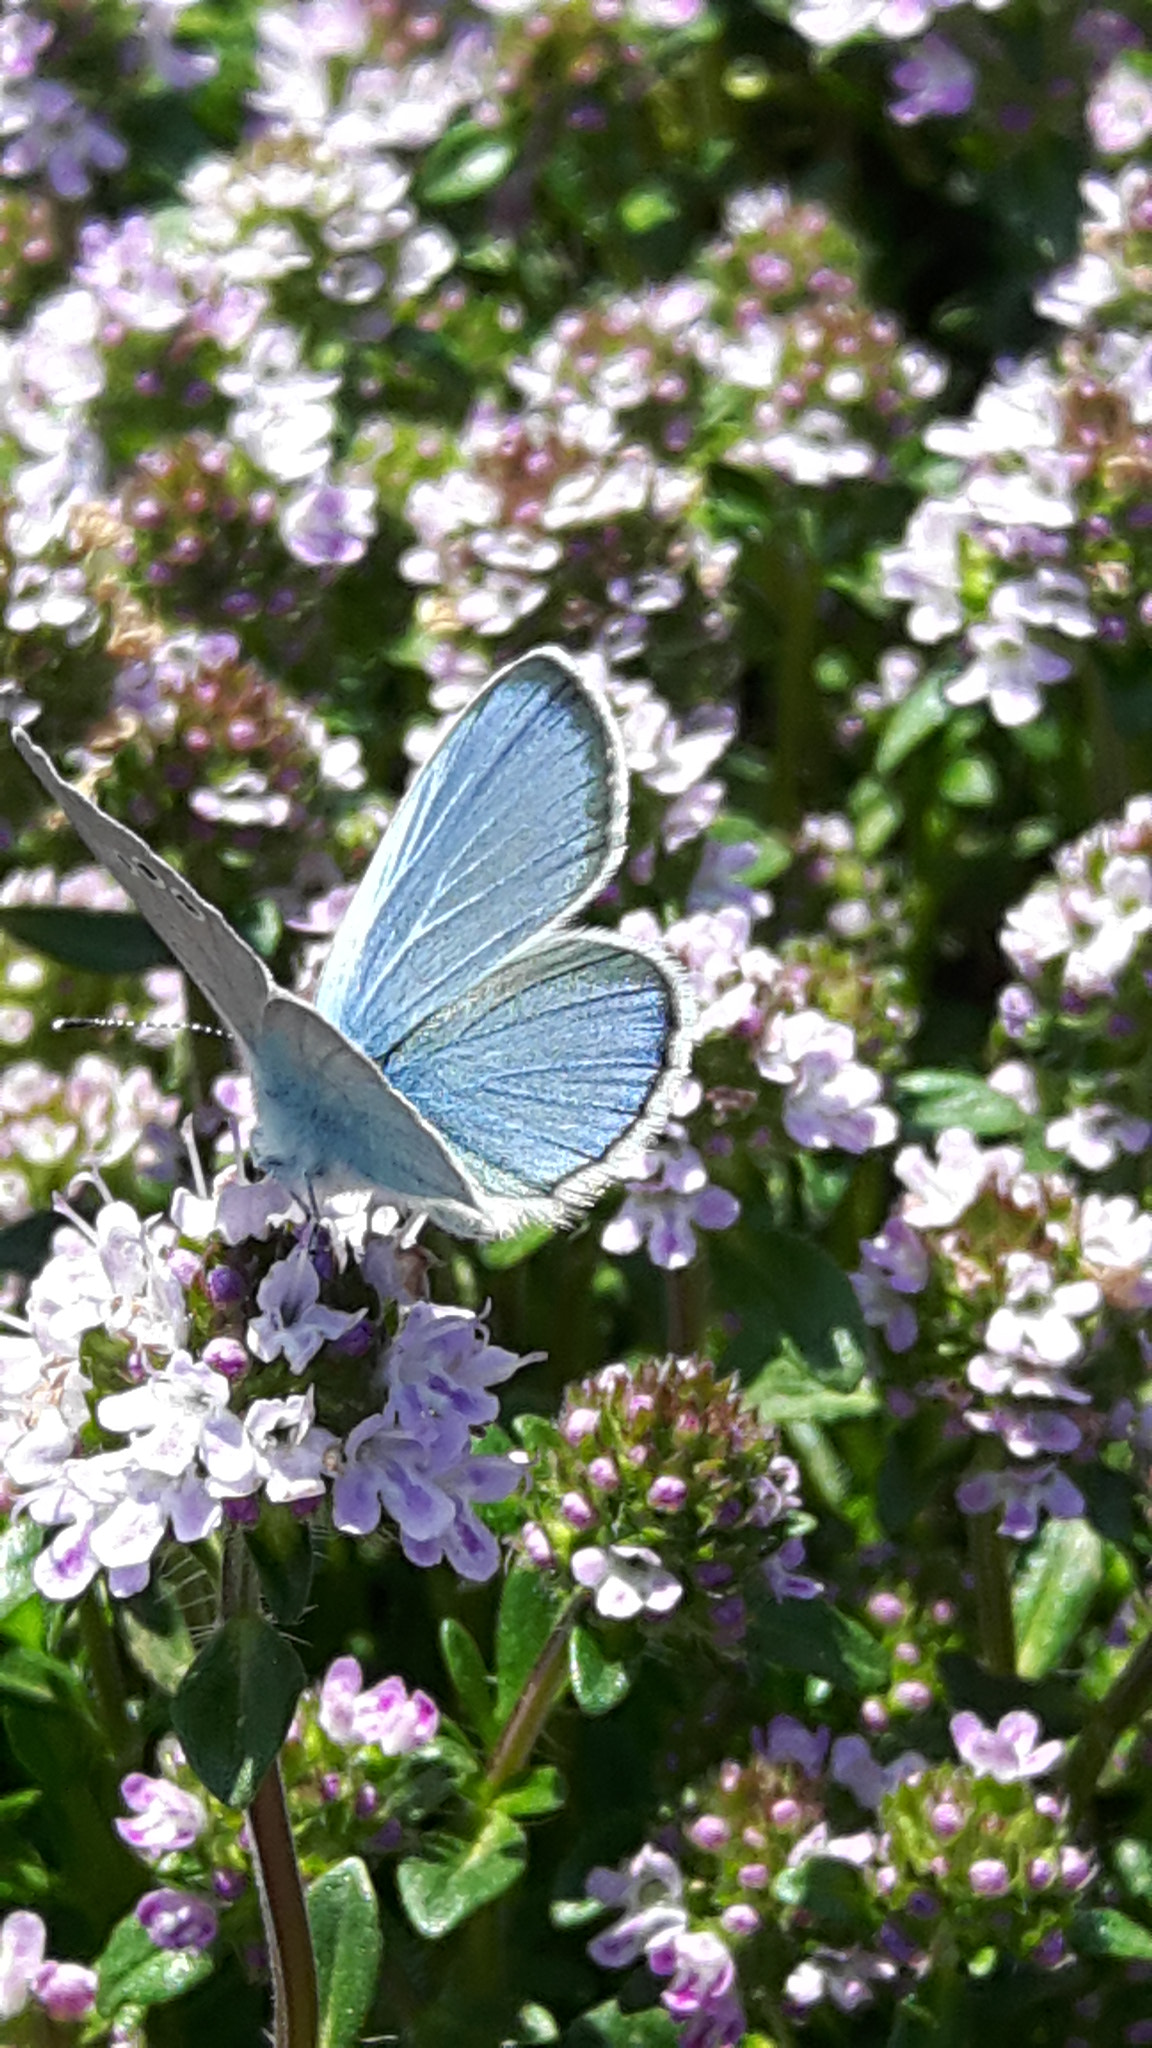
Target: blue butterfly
471,1053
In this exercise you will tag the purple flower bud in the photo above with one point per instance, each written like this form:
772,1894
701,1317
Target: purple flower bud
581,1423
906,1653
784,1813
387,1838
602,1474
946,1820
173,1919
229,1885
887,1608
577,1511
740,1919
67,1991
366,1802
989,1878
874,1716
667,1493
330,1787
227,1355
1075,1867
922,1906
537,1546
1042,1872
912,1694
709,1831
753,1876
225,1286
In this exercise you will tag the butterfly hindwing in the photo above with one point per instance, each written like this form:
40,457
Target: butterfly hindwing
201,941
514,821
541,1070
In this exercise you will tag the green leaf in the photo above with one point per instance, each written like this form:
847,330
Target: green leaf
606,2026
1102,1931
810,1636
970,782
831,1890
537,1792
915,720
281,1548
535,2024
344,1915
19,1548
598,1683
98,941
1053,1594
787,1392
467,1671
24,1246
648,207
1134,1862
452,1879
795,1303
233,1709
529,1609
467,161
157,1636
934,1098
133,1972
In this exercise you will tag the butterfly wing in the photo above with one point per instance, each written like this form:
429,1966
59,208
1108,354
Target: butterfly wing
541,1071
214,956
331,1119
514,821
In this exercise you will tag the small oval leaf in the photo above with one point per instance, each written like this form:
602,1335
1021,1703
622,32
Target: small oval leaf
454,1878
466,162
131,1971
233,1709
344,1915
598,1683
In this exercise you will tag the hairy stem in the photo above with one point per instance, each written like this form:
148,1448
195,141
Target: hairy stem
295,1997
287,1935
542,1688
1127,1700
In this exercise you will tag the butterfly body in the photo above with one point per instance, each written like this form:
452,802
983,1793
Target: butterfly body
471,1052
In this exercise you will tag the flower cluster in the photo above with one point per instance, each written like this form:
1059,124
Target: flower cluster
1027,1292
355,1766
755,1909
157,1390
659,1479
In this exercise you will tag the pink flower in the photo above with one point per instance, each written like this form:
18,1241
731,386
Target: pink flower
167,1818
1008,1752
385,1716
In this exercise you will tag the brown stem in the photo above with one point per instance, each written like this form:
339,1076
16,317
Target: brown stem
295,1997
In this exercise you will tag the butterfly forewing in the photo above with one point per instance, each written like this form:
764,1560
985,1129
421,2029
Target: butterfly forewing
515,820
233,977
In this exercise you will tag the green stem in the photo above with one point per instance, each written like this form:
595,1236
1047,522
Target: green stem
107,1675
283,1910
993,1594
1125,1702
542,1688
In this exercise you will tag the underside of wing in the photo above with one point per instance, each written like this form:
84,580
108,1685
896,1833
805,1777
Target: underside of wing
233,977
545,1068
329,1120
514,822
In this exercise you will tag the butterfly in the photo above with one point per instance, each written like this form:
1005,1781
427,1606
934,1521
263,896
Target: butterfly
471,1053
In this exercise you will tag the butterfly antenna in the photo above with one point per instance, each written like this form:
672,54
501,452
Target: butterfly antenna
130,1024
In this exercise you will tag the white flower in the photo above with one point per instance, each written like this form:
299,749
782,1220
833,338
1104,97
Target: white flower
1009,671
626,1579
832,1098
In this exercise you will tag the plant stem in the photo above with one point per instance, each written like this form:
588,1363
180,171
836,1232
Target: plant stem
1128,1698
542,1688
295,1997
993,1594
291,1959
